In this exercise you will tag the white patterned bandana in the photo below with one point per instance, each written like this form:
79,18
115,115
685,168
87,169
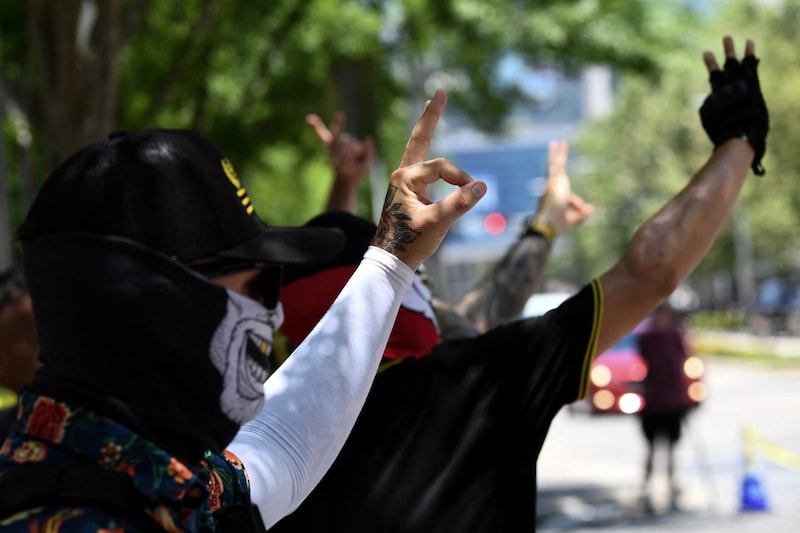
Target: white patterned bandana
240,350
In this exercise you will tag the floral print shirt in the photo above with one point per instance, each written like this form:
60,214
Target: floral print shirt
177,497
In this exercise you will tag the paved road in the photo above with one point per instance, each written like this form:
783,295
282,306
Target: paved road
590,467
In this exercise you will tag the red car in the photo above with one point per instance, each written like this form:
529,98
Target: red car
617,375
616,380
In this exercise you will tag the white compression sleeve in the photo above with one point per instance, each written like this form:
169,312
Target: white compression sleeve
313,399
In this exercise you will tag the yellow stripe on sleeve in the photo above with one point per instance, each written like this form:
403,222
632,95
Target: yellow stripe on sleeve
591,347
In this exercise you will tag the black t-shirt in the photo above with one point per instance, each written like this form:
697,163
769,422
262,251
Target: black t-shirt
449,442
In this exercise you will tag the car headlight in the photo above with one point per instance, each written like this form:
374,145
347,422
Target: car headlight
693,367
697,391
601,376
603,400
630,403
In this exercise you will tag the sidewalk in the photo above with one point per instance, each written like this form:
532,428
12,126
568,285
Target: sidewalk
590,467
602,514
742,343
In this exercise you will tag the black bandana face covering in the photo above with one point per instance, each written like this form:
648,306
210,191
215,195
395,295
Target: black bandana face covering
133,335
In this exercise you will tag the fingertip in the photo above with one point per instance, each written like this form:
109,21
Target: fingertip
710,61
478,188
727,43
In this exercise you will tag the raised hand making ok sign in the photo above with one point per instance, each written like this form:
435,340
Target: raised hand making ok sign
412,226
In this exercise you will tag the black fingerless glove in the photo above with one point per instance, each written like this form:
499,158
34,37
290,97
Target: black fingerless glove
736,107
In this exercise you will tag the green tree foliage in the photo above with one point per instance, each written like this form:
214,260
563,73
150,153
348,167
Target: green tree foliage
246,73
773,203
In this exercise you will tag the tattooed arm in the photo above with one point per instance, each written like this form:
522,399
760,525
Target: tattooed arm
500,297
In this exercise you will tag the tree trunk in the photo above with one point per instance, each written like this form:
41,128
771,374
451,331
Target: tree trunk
74,46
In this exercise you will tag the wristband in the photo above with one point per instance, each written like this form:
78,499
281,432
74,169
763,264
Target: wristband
535,227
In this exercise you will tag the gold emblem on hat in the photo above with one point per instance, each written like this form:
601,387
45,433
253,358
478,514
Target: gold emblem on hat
227,166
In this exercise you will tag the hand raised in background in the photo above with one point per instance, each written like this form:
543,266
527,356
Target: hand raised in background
559,208
349,157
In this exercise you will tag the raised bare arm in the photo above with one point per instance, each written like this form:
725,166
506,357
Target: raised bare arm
667,247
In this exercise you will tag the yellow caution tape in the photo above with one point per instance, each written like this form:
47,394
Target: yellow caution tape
757,443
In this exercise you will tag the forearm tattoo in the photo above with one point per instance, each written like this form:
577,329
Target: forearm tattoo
500,297
394,230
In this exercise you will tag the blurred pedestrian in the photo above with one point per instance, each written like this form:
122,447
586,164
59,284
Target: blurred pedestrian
664,347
